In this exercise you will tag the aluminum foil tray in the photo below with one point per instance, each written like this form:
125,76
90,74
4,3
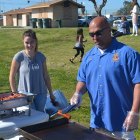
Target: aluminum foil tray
26,99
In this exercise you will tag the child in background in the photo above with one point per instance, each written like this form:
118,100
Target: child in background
79,46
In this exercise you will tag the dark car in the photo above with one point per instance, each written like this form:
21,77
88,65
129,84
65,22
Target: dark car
83,21
129,18
139,21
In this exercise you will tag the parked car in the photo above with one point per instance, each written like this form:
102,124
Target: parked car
116,22
110,21
129,18
116,17
83,21
139,21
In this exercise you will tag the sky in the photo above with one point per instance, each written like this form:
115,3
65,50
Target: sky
111,6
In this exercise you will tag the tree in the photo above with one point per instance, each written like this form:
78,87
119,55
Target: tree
83,10
99,9
125,10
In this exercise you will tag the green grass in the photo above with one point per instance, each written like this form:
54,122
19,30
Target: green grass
56,44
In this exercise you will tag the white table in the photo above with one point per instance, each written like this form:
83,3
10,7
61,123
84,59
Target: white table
9,126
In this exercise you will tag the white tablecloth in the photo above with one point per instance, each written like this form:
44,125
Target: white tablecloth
9,126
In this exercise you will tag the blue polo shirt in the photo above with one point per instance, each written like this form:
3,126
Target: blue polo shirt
110,80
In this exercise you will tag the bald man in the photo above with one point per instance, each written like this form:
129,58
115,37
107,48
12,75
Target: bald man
110,74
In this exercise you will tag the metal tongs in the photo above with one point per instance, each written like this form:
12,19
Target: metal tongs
64,112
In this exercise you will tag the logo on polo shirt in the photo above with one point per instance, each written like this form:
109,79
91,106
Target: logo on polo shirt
115,57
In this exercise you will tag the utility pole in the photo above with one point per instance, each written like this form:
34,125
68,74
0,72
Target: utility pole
0,9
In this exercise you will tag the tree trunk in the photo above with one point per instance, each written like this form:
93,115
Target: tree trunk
99,9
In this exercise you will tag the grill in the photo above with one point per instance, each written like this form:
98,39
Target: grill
63,129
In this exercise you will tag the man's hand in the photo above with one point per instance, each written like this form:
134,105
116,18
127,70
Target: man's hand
131,121
76,99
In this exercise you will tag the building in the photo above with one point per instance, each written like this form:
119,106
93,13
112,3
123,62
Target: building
18,17
1,20
56,11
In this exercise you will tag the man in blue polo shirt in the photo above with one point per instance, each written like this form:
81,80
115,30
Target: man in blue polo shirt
110,73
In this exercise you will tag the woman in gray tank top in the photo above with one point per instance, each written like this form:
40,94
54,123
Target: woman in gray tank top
29,66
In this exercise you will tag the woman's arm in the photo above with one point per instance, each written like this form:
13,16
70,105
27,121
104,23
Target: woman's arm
47,80
13,71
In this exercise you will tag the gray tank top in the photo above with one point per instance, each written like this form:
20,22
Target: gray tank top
30,73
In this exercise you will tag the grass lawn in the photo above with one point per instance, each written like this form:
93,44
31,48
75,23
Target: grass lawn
56,44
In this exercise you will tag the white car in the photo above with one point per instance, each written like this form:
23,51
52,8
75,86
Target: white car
116,22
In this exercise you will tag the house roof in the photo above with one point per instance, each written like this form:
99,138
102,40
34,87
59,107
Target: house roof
40,5
54,2
18,11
